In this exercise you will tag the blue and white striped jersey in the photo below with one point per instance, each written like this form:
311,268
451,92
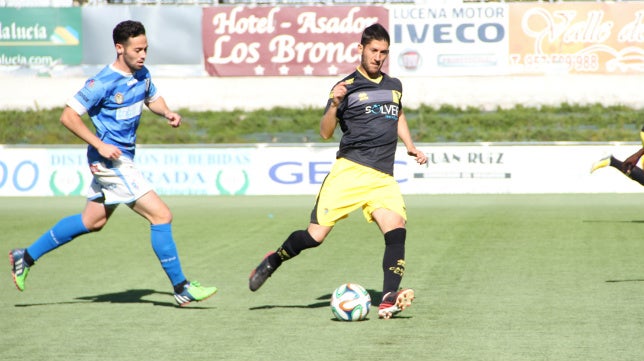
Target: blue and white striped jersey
114,101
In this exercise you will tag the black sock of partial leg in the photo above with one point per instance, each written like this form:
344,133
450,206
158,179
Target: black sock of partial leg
179,287
637,174
616,163
26,257
393,261
294,244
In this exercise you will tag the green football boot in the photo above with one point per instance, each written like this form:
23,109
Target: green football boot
194,291
19,269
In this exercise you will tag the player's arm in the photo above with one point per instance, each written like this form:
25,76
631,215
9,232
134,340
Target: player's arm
330,118
329,122
159,107
405,136
73,121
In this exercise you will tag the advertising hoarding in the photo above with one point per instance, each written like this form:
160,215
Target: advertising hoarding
443,39
285,41
287,170
40,37
577,38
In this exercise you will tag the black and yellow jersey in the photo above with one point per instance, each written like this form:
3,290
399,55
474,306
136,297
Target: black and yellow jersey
368,118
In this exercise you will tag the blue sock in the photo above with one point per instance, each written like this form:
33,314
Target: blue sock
166,250
64,231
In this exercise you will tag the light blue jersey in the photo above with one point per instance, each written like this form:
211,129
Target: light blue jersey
114,101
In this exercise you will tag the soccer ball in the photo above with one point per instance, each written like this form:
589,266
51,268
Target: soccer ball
350,302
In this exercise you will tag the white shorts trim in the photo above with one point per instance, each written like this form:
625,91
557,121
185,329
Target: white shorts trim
123,183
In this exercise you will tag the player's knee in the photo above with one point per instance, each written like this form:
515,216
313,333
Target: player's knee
161,218
167,217
317,232
399,222
95,225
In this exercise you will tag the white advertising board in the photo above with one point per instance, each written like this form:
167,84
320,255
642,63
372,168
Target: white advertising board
449,39
283,169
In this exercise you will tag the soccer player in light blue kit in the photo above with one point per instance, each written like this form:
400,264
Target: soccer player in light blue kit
114,100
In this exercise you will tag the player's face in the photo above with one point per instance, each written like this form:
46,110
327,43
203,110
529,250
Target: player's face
134,52
373,57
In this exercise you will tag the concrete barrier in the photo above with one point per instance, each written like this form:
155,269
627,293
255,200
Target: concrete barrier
250,93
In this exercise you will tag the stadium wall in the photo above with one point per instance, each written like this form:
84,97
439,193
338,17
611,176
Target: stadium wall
484,55
264,169
250,93
596,57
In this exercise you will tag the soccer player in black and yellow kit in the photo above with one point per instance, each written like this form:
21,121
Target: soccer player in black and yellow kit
367,105
628,167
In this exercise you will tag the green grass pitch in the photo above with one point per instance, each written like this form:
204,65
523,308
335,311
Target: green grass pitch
497,278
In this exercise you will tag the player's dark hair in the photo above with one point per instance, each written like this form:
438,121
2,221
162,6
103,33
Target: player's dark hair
126,30
374,32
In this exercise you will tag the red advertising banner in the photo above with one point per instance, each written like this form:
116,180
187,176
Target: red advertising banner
285,41
576,37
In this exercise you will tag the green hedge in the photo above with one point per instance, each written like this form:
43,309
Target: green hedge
445,124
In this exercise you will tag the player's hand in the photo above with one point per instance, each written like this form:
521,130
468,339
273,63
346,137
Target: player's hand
109,151
339,92
630,163
173,118
420,157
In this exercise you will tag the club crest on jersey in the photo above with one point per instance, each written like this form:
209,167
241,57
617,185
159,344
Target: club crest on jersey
118,98
363,96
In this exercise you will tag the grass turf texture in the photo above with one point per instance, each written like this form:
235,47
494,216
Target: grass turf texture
497,277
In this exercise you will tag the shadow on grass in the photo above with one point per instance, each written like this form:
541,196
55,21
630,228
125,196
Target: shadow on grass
612,221
629,280
125,297
324,302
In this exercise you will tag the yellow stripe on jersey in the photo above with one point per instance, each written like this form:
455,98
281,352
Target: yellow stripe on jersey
396,96
347,82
